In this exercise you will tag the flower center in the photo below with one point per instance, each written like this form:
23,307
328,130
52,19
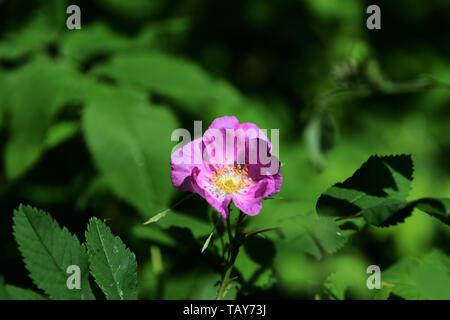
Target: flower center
229,184
231,179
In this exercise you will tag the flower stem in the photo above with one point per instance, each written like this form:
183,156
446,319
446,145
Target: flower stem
238,224
221,239
349,217
233,251
224,284
230,236
250,234
230,240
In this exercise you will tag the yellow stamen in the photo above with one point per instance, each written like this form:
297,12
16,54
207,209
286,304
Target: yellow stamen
230,179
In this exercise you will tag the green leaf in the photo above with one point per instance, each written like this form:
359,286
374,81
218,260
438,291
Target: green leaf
378,179
161,73
3,90
60,132
383,293
378,191
253,272
379,186
274,212
162,214
198,284
389,212
300,229
208,240
48,251
137,9
294,271
438,208
29,39
10,292
154,234
162,233
95,40
158,216
349,276
178,79
319,137
393,211
58,85
113,265
130,143
158,34
186,84
156,259
427,279
198,227
313,234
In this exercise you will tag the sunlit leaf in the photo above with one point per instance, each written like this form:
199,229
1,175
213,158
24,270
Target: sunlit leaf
58,85
37,233
130,143
94,41
112,264
427,279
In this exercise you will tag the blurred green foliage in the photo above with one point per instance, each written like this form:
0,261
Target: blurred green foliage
86,118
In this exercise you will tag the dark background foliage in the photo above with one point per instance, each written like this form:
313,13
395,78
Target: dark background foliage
337,91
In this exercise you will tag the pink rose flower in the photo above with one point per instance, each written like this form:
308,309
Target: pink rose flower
232,161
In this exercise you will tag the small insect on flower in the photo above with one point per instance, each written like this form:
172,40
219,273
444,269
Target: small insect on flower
232,161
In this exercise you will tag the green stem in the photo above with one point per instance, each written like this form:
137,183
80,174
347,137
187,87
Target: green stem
233,251
230,236
238,224
221,239
349,217
250,234
224,283
230,240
